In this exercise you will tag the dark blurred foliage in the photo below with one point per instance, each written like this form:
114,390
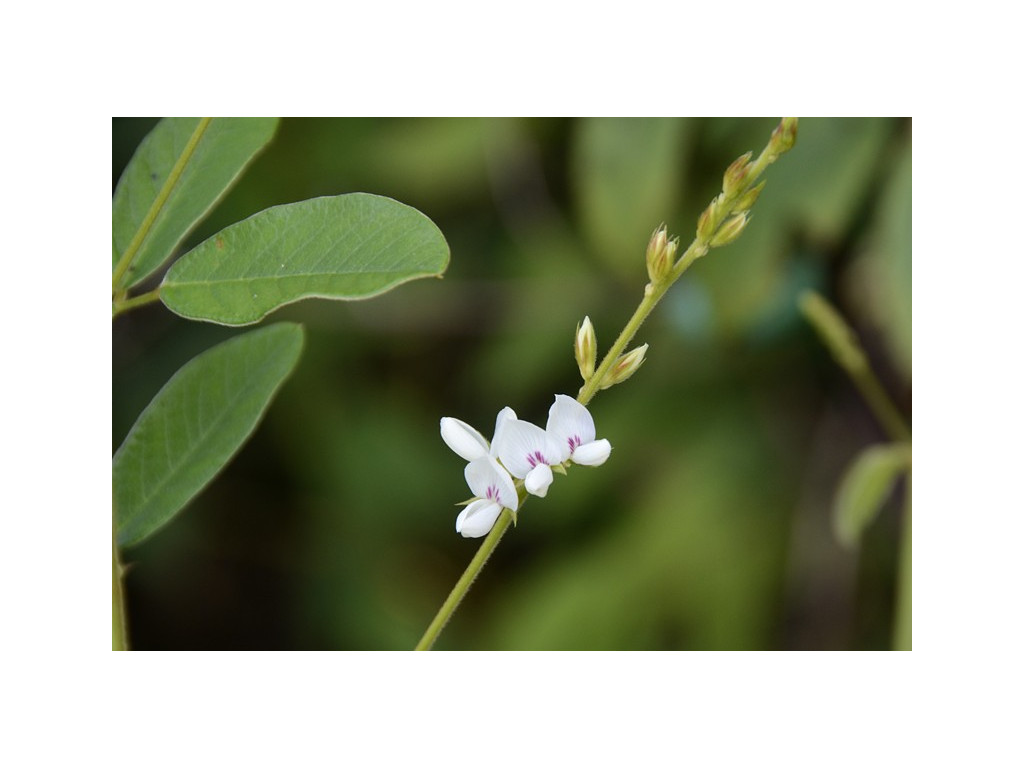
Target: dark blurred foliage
708,528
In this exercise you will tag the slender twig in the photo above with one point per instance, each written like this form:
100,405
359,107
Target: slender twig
465,582
593,385
719,225
842,342
119,305
135,301
839,337
120,630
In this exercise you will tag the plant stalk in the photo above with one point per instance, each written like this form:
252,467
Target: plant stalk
123,305
842,342
465,582
120,628
722,209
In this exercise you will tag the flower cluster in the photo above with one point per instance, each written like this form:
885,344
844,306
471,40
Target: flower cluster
521,450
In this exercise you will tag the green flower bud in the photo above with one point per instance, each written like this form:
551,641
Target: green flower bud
730,230
661,254
625,367
748,198
736,174
585,348
783,137
708,221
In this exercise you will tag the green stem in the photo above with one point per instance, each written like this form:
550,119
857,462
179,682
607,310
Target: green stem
655,290
119,626
651,297
650,300
136,301
846,349
161,199
902,631
839,337
464,583
723,207
880,404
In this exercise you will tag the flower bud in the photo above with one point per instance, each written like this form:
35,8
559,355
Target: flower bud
783,137
708,221
730,230
625,367
585,348
736,174
748,198
661,254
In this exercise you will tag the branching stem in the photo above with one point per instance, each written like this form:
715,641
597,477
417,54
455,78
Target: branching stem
123,305
120,642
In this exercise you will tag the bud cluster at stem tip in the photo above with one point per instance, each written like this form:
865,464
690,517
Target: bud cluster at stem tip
783,137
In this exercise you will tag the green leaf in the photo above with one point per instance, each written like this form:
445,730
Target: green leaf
865,486
223,150
345,247
195,424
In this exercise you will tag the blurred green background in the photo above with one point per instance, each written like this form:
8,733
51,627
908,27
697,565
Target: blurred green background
708,528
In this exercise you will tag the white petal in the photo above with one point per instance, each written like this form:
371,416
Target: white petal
463,439
569,424
505,415
477,519
592,454
522,446
538,479
489,480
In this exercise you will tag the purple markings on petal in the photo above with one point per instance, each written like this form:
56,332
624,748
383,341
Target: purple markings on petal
570,425
491,482
536,458
492,493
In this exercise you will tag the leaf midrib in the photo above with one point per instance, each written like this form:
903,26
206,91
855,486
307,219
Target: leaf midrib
176,283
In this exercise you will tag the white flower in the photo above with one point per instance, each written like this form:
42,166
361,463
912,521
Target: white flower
571,427
495,490
469,443
527,451
488,480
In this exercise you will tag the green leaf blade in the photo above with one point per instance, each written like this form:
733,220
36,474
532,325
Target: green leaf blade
224,150
195,424
865,486
347,247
